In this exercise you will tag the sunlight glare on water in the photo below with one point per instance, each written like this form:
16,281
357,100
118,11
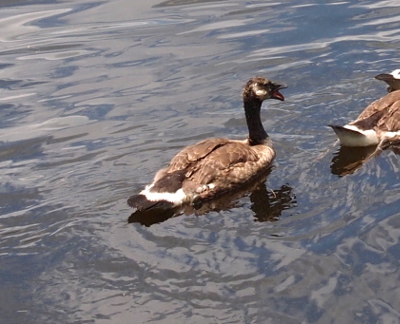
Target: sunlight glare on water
97,96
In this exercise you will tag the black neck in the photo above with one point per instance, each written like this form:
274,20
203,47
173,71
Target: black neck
257,133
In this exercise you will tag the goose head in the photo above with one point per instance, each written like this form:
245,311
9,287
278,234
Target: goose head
392,79
260,89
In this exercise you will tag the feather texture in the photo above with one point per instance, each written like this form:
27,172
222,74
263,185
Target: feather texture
214,166
383,113
379,122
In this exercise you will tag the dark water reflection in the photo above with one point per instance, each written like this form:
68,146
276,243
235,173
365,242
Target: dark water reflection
97,96
348,159
266,204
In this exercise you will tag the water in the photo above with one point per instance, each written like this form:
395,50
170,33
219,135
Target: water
97,96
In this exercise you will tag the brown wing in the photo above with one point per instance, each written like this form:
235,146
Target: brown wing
194,153
220,162
385,102
391,120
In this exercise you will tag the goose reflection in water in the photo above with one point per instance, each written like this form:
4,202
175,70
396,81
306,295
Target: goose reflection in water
266,204
349,159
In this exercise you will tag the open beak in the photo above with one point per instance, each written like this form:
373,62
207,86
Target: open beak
276,94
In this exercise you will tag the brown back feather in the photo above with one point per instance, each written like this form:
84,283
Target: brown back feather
215,158
194,153
391,120
383,114
385,102
220,162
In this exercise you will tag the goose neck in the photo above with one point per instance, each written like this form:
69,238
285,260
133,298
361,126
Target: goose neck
257,133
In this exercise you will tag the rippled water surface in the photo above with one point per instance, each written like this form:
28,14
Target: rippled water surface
96,96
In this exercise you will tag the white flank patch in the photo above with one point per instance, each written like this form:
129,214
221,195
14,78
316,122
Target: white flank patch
396,74
389,135
348,139
177,198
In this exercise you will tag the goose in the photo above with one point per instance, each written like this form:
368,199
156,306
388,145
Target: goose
215,166
379,123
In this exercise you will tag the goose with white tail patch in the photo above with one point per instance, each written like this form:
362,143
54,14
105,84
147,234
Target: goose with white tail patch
218,165
379,123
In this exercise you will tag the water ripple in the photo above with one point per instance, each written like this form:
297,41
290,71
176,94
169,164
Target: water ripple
117,88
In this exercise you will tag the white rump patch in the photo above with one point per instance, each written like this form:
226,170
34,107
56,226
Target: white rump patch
348,139
396,74
177,198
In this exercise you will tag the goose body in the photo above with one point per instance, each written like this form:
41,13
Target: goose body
379,122
218,165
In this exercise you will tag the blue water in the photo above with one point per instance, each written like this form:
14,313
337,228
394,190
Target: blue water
97,96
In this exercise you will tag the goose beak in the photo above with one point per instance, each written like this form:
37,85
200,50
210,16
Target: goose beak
385,77
276,94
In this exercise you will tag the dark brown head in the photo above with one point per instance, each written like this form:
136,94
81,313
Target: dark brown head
392,79
259,88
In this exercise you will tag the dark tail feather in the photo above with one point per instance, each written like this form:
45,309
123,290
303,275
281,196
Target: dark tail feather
339,130
142,203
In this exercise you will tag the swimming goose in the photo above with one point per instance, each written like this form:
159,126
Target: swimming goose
379,123
218,165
